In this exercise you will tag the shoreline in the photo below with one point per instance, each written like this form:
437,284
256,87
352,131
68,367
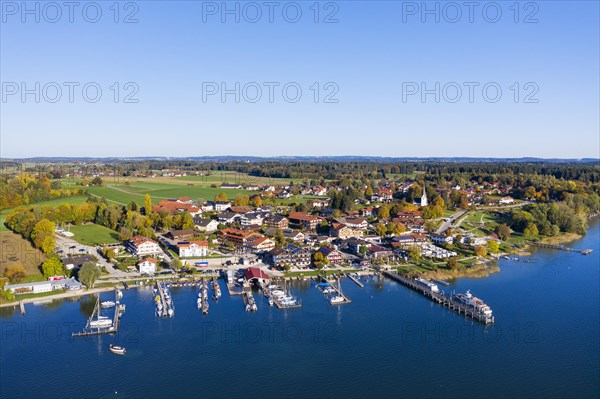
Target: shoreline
62,295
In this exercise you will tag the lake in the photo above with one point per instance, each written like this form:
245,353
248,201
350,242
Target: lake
389,342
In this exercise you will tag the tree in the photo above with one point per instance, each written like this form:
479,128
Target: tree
318,259
241,200
88,274
187,221
383,212
43,235
503,231
257,201
493,246
96,181
531,231
414,252
220,197
452,264
52,267
480,250
14,272
147,204
368,192
381,229
279,238
125,233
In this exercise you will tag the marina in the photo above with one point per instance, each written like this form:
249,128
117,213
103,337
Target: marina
280,297
461,303
98,324
163,300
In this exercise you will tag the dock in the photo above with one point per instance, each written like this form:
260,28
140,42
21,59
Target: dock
361,285
440,298
119,310
339,292
22,306
562,248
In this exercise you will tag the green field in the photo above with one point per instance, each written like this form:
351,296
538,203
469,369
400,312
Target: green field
94,234
122,193
55,202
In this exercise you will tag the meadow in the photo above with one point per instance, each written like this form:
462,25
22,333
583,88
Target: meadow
94,234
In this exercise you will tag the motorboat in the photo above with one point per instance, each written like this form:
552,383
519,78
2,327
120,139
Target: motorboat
107,304
119,350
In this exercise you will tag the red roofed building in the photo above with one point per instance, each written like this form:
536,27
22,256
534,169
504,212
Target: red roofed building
259,244
142,246
305,221
254,273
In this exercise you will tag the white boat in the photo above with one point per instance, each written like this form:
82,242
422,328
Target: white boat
271,303
428,285
117,349
474,302
101,322
107,304
336,299
170,312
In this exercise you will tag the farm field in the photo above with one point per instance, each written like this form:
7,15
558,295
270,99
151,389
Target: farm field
15,249
122,193
94,234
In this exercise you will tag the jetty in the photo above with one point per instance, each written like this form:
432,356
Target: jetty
114,328
339,295
441,298
22,306
561,248
361,285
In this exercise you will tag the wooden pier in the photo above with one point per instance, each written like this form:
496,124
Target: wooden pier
22,306
441,298
119,310
361,285
340,293
561,248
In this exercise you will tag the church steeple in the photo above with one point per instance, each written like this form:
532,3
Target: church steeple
424,201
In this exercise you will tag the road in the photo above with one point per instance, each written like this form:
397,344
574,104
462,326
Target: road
455,217
71,247
449,221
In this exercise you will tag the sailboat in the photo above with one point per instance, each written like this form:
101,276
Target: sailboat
337,298
100,321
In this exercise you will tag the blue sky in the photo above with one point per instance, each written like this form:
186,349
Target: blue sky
371,57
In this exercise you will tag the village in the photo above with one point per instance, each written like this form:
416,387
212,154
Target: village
380,230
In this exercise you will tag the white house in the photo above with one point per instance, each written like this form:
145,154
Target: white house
192,249
142,246
206,224
147,266
506,200
221,206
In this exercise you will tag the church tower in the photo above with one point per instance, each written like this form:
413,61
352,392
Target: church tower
424,201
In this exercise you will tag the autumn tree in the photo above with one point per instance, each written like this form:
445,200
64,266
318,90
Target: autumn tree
480,250
241,200
147,204
257,201
530,231
14,272
220,197
52,267
503,231
43,236
493,246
